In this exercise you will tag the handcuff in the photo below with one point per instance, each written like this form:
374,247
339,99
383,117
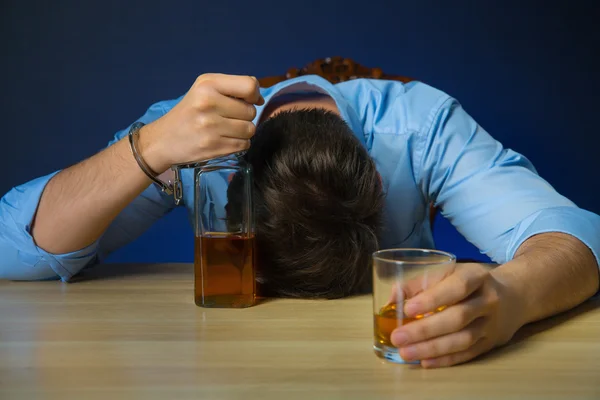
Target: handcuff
174,187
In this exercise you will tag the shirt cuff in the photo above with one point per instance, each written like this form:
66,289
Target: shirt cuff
583,225
68,265
32,262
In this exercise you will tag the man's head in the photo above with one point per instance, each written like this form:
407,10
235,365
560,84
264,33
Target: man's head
318,200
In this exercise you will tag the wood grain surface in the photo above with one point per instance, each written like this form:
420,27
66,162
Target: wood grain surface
133,332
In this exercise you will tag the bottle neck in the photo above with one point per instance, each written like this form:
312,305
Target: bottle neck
233,159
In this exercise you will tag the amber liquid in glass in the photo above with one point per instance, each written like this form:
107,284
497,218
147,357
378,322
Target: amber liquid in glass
224,267
387,320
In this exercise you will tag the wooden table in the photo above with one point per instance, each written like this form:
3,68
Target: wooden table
133,331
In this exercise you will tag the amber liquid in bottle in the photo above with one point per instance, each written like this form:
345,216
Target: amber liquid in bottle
225,271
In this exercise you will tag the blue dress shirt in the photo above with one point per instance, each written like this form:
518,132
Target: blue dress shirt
426,148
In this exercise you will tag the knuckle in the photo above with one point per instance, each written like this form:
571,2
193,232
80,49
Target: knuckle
209,76
462,287
251,84
250,129
206,121
206,81
463,316
469,337
493,299
204,101
207,142
237,145
200,80
433,348
251,112
452,359
245,130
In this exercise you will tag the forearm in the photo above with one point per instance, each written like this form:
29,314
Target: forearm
79,203
214,118
551,273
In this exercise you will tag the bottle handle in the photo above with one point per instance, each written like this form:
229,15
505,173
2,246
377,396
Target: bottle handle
177,185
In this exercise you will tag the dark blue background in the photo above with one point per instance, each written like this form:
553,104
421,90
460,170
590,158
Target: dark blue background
75,72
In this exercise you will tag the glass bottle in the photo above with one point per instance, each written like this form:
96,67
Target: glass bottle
225,248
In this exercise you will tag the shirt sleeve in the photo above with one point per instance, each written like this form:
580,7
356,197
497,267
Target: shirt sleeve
493,195
22,259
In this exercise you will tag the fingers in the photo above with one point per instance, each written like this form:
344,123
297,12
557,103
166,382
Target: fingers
239,86
397,295
482,346
450,290
454,342
212,120
237,129
217,126
410,287
229,107
417,284
452,319
227,146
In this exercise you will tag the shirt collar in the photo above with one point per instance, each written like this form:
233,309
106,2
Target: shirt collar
311,84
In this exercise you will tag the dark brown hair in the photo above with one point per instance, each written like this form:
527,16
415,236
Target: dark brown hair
318,202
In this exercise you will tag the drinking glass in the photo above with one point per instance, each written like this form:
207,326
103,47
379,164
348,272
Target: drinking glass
399,274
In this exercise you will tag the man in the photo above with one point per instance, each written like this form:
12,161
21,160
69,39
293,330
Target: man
340,171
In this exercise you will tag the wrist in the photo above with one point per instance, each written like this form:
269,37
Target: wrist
152,150
515,291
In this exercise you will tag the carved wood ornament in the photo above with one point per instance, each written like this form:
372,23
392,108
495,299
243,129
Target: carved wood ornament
335,70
